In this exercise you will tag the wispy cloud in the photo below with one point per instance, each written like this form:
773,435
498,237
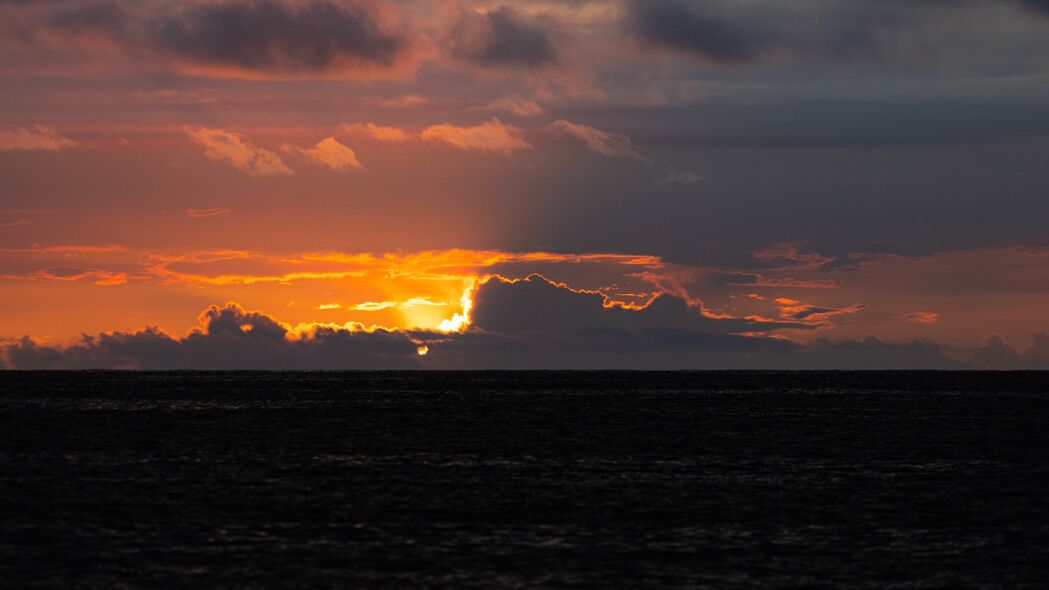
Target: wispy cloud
606,143
36,138
683,178
515,105
212,212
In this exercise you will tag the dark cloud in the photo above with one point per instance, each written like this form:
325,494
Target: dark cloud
725,32
996,354
231,339
1037,5
105,18
272,37
527,324
502,38
535,304
674,25
264,36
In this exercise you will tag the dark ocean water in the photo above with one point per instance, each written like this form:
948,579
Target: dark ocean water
702,480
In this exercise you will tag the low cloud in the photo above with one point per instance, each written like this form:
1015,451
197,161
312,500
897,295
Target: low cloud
226,146
332,154
528,323
36,137
996,354
491,136
614,145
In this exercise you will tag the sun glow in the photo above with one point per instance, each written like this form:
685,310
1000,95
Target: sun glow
461,320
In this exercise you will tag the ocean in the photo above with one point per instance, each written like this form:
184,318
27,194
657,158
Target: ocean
524,480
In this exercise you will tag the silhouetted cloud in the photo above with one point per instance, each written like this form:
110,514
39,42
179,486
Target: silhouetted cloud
527,323
229,338
996,354
501,37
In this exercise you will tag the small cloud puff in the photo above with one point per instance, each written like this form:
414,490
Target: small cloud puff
490,136
36,138
332,154
231,147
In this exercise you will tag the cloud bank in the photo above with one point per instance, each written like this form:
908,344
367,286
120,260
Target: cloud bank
526,323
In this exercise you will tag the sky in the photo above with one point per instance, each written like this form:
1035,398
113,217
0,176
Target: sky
461,184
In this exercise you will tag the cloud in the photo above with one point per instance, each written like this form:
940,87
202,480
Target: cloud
384,305
36,138
404,102
733,33
104,278
14,222
529,323
329,152
683,178
274,37
614,145
921,317
675,25
203,213
1041,6
230,337
501,37
377,132
539,304
233,148
996,354
515,105
238,38
490,136
792,309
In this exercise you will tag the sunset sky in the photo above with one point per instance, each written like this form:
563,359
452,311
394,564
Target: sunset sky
536,184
